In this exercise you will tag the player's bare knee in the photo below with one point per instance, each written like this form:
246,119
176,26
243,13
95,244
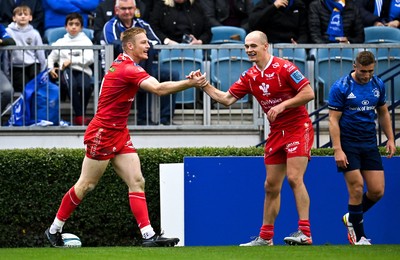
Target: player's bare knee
85,188
136,183
294,181
272,190
376,194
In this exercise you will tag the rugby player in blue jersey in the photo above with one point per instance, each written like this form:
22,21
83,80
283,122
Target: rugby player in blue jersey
354,102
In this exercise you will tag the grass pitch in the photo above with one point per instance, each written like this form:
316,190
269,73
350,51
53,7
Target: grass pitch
207,253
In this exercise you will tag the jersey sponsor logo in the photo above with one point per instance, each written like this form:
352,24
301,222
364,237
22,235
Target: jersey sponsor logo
264,88
275,65
351,96
297,76
365,102
267,104
270,76
364,108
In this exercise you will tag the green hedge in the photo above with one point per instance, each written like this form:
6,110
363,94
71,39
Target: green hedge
33,182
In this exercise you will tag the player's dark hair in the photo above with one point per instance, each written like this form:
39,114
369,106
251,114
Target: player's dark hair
365,58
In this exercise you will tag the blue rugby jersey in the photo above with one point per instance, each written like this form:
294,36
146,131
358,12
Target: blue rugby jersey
357,103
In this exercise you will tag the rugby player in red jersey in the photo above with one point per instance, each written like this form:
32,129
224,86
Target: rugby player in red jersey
282,91
107,137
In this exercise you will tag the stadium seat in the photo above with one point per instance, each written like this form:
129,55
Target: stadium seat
184,61
227,34
296,56
226,67
330,65
387,68
381,34
53,34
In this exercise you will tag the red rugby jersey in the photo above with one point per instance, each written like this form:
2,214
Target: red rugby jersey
279,81
118,90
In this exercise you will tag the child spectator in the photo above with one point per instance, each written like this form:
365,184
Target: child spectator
74,66
26,64
7,8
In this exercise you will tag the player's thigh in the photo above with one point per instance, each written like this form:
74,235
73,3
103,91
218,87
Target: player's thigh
275,175
354,182
296,166
127,166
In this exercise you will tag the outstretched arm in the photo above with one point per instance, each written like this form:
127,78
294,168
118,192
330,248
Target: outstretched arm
152,85
225,98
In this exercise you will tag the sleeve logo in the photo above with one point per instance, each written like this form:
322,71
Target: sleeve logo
297,76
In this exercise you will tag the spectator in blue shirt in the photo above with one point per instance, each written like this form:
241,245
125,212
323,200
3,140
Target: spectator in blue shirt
55,11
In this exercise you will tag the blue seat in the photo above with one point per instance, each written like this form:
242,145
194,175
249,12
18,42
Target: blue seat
296,56
386,59
53,34
381,34
331,64
184,61
226,67
227,34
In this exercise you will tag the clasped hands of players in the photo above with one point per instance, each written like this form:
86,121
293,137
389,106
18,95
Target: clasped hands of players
200,78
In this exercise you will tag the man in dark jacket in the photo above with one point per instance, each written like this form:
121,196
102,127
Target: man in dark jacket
105,11
171,20
321,18
228,12
388,15
6,89
283,21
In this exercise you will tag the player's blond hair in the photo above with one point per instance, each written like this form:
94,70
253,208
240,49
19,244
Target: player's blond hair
130,34
171,3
